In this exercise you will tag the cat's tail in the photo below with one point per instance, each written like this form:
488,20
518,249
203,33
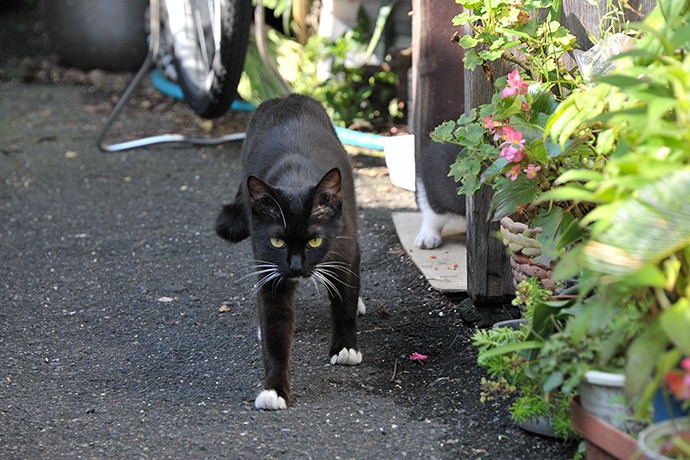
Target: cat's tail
232,223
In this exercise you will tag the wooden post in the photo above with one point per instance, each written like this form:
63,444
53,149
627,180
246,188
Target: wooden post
489,277
437,70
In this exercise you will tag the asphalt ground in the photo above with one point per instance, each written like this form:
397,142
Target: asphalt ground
127,331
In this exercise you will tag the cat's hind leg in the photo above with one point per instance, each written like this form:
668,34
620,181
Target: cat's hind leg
345,306
429,236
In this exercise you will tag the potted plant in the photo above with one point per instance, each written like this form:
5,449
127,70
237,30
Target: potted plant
669,437
505,351
635,259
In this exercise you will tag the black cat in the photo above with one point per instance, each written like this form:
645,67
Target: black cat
297,202
436,193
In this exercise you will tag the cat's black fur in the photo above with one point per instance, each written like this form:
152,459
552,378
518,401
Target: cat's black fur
297,186
436,192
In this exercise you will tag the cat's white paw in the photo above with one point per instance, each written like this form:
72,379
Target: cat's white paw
347,357
269,400
428,240
361,308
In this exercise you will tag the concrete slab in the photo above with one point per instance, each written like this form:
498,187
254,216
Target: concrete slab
445,267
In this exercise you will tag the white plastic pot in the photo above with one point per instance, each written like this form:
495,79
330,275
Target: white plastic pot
602,395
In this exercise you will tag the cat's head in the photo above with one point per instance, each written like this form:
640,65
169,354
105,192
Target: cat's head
293,228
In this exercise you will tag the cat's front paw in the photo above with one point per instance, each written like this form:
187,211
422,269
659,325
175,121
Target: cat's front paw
428,240
361,308
269,400
348,357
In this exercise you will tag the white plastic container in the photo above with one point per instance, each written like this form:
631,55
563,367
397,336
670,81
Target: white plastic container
399,152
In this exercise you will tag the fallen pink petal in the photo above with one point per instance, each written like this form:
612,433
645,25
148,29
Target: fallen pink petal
418,357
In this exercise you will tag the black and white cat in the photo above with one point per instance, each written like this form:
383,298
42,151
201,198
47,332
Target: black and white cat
436,193
297,202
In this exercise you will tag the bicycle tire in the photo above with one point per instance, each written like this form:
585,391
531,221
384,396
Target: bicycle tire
208,79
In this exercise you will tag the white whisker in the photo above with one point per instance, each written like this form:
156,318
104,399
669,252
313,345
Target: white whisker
282,215
339,266
323,276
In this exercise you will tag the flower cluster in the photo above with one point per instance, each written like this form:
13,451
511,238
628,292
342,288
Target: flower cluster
513,141
678,381
502,144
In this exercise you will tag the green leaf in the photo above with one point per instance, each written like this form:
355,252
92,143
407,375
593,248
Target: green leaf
675,322
464,18
444,132
467,41
568,266
579,175
554,222
471,59
512,347
646,228
574,193
553,381
672,9
507,107
642,358
495,169
514,194
470,135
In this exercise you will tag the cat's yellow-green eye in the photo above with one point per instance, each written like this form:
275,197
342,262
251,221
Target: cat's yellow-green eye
277,243
315,242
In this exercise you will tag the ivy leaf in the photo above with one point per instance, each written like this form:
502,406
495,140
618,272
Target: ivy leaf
464,18
490,55
444,132
470,135
471,59
468,41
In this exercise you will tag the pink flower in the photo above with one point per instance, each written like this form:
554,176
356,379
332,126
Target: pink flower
678,382
531,171
516,85
685,363
514,172
513,145
490,124
418,357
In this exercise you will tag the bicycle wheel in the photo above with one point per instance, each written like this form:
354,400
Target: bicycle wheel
209,42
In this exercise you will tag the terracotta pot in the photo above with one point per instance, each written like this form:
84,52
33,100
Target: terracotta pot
603,441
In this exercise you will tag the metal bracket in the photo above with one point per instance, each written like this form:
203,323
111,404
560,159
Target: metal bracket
154,45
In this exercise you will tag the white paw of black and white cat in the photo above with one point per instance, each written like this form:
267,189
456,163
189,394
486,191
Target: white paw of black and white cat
347,357
361,308
269,400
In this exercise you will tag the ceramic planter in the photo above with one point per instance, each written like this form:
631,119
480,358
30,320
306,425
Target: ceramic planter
602,395
653,437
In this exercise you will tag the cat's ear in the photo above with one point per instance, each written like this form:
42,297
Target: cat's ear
328,195
258,189
329,192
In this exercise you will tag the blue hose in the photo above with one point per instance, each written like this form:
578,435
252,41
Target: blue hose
346,136
174,90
